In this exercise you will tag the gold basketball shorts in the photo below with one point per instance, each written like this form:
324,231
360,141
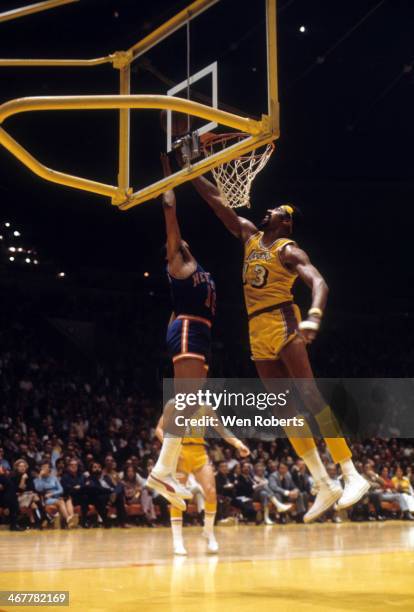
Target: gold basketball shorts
271,329
192,458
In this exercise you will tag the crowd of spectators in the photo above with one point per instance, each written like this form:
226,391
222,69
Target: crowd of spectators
77,432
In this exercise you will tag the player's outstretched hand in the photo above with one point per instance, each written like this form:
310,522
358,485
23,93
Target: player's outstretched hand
168,198
308,335
243,450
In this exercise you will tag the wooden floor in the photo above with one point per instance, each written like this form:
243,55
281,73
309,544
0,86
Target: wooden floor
358,567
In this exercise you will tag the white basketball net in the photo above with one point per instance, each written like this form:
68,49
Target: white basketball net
234,178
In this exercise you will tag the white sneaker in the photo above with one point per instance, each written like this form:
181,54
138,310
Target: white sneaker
329,492
268,521
168,487
355,488
212,544
179,549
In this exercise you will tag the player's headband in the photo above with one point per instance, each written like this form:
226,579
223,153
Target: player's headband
288,209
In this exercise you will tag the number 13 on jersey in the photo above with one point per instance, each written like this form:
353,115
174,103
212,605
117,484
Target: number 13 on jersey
255,275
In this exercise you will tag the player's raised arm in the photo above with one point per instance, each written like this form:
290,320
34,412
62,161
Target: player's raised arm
238,226
171,222
296,259
227,435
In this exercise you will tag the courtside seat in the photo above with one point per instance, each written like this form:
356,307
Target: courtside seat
390,506
134,510
387,506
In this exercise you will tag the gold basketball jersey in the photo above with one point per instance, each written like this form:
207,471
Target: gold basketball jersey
266,281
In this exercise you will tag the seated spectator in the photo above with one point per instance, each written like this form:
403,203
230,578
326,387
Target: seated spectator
111,480
402,484
378,493
51,492
265,495
96,493
225,489
3,462
229,458
73,483
27,496
136,493
284,489
8,499
244,492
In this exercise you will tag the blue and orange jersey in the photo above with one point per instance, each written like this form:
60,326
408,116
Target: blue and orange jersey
195,295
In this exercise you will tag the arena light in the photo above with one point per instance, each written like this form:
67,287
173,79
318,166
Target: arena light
7,224
16,233
12,249
1,237
28,260
146,274
35,262
11,258
20,250
61,275
302,29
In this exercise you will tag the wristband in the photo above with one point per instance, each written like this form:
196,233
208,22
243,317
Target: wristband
309,325
317,312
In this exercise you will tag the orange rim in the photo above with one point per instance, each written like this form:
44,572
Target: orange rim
209,139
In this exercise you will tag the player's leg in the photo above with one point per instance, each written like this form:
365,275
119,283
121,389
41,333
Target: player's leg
176,518
188,372
328,491
295,357
205,476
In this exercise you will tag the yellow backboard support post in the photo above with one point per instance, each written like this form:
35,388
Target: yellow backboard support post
124,129
33,8
272,69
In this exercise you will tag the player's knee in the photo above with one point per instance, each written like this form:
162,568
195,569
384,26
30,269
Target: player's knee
210,493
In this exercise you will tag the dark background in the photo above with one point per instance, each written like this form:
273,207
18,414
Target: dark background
344,156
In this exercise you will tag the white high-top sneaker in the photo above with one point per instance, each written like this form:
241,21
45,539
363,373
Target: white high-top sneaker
355,488
212,544
329,492
179,548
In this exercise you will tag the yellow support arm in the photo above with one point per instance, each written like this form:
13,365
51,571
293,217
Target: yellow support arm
58,177
189,107
122,195
194,170
170,26
33,8
64,63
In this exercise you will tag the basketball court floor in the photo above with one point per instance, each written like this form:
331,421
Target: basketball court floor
359,567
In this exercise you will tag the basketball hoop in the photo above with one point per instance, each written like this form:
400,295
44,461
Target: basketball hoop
234,178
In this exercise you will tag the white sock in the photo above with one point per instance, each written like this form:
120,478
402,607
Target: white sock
167,460
209,523
177,530
315,465
348,469
266,513
199,502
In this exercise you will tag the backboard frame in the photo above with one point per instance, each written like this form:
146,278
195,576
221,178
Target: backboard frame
260,132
